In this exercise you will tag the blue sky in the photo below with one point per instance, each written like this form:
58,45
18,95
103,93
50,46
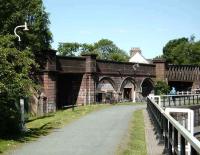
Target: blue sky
148,24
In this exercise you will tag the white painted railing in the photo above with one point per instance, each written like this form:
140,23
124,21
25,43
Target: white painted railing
175,136
193,91
176,100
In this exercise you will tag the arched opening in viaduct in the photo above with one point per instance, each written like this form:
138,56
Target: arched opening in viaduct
105,90
181,85
68,87
147,87
127,90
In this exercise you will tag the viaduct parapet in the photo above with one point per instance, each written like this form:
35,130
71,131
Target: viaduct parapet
86,80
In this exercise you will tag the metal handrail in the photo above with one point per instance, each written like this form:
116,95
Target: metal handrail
195,144
177,100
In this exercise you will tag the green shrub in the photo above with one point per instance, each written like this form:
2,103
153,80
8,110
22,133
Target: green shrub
161,88
15,82
9,117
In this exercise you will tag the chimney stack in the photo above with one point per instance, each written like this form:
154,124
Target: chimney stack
135,50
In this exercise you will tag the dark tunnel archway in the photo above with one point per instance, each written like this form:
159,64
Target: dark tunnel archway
147,87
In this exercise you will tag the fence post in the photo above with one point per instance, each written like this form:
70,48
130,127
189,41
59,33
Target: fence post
175,140
170,138
165,135
182,145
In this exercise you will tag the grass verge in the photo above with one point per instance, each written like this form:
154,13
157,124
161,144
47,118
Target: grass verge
130,103
42,126
135,143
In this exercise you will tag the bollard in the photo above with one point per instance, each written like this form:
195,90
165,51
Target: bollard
22,125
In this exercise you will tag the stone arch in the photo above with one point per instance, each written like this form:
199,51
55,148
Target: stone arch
147,86
127,89
110,80
106,90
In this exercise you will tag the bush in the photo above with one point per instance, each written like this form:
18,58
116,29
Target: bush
161,88
9,117
15,83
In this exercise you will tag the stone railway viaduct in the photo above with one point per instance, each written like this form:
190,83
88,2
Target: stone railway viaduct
84,80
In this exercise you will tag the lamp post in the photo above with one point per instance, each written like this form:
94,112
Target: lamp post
20,26
22,124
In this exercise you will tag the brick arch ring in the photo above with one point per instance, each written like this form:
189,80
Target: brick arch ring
149,81
110,80
123,83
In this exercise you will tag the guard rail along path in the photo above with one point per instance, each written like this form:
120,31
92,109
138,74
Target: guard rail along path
176,138
177,100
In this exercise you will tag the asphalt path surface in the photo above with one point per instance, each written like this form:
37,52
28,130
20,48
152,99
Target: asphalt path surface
98,133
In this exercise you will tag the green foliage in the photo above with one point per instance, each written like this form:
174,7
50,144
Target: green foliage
9,116
16,58
182,51
118,56
161,88
16,12
159,57
90,49
15,81
15,67
68,49
104,49
109,51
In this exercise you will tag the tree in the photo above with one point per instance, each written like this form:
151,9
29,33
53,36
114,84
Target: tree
15,68
90,49
194,57
107,50
15,82
17,58
68,49
174,48
16,12
104,49
120,56
182,51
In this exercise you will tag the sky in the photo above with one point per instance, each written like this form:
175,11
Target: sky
147,24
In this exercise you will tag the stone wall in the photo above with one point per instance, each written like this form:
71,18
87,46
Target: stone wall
49,86
87,90
50,80
125,68
78,78
87,72
160,69
118,84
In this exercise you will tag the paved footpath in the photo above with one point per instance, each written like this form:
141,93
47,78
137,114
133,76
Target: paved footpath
153,146
97,133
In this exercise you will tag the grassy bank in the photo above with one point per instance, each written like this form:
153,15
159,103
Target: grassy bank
130,103
44,125
135,139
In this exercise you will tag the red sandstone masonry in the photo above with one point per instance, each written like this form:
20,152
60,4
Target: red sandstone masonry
160,69
92,70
